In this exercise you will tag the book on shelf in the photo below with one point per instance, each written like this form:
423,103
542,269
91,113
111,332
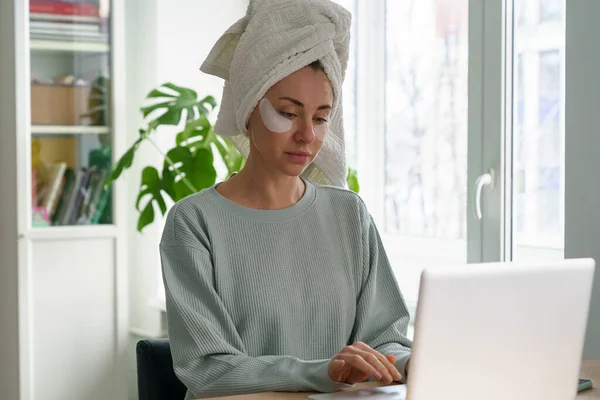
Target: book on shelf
89,8
54,182
67,20
70,37
64,18
79,198
53,27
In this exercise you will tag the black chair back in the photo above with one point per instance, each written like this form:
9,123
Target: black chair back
155,375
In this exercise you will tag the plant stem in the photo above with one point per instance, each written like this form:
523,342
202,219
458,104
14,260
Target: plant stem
172,164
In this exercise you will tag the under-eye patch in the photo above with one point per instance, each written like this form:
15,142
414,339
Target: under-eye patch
272,119
321,131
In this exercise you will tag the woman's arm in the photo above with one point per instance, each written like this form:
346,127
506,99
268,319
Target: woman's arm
208,354
381,316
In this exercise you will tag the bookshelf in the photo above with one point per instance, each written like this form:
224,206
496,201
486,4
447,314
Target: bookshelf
70,96
63,234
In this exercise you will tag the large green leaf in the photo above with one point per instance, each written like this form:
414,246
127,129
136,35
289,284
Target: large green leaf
352,180
221,148
168,181
148,109
171,117
231,156
181,90
194,139
191,172
146,217
186,99
157,94
193,129
124,162
151,185
210,101
237,162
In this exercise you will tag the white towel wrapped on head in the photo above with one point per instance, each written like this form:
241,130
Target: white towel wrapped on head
275,39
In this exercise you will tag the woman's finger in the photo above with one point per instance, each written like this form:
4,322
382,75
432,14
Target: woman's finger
375,361
389,366
392,367
356,361
336,370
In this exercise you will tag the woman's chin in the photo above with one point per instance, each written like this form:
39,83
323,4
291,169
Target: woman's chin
293,169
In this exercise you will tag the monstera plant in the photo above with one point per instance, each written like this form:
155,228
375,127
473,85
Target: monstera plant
189,166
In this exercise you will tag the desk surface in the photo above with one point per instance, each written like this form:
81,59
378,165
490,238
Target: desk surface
589,370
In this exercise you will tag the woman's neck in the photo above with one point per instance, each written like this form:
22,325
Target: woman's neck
254,188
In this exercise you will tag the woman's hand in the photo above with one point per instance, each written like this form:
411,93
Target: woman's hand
358,362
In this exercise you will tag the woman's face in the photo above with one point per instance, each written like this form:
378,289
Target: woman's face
288,127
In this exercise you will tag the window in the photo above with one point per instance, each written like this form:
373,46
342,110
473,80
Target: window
551,10
538,137
550,143
425,136
521,12
519,149
418,167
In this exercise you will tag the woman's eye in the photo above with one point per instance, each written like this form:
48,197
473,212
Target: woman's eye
287,115
321,120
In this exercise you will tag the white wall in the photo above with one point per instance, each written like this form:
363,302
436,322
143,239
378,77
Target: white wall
166,42
141,54
187,30
582,146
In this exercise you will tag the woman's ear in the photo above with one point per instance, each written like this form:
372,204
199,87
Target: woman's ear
248,129
249,124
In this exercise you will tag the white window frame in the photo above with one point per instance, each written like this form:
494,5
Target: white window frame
486,121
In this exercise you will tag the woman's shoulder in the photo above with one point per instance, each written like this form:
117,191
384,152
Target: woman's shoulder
190,206
341,198
187,217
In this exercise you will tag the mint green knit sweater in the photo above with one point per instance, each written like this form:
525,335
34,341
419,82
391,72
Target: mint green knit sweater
261,300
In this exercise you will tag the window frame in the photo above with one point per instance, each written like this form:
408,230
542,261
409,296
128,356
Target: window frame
487,122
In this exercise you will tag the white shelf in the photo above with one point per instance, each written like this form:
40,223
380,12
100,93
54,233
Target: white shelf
73,232
69,46
69,130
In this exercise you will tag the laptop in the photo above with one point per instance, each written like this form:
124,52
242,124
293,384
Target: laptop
496,331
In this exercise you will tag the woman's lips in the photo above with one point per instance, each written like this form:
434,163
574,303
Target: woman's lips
299,157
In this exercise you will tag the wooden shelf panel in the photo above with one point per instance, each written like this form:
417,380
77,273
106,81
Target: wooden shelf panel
69,130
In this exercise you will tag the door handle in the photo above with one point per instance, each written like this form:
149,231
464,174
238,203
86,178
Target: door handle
480,182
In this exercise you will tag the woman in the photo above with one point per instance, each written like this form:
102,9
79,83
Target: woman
276,282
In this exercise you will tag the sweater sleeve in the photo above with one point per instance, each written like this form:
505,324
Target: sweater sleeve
208,354
381,316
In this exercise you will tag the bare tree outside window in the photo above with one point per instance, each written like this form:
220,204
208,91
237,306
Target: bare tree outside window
426,133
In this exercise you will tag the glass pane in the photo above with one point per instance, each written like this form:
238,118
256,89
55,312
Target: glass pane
70,112
538,130
426,136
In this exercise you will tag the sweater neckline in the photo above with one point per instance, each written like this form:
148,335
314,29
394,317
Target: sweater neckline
256,214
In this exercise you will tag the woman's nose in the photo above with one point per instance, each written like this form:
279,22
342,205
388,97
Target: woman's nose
306,131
